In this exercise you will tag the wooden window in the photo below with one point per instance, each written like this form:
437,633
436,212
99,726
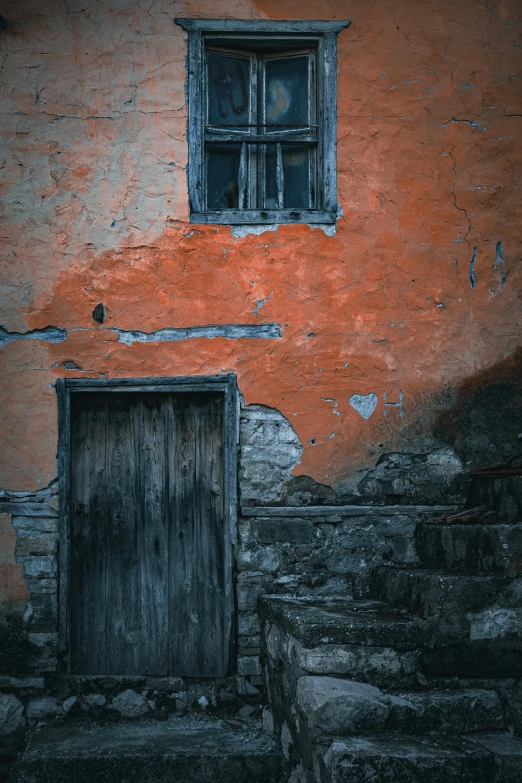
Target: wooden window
262,121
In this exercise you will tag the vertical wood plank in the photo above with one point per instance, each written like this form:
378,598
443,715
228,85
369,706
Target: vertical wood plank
64,461
121,555
153,534
210,539
328,90
280,177
88,513
197,114
183,620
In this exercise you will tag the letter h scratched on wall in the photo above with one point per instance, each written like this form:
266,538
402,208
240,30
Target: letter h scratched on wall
393,404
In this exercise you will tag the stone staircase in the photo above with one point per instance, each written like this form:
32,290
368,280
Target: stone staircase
419,684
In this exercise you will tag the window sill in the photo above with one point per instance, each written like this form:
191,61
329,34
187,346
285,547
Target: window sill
237,217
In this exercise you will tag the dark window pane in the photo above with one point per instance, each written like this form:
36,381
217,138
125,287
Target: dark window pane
228,89
222,176
296,168
286,91
296,176
271,200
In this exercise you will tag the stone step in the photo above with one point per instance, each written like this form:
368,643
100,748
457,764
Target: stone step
344,621
333,706
427,593
474,659
488,758
491,549
181,749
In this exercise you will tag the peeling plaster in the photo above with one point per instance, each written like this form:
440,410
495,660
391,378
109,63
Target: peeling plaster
239,232
67,181
268,331
261,302
50,334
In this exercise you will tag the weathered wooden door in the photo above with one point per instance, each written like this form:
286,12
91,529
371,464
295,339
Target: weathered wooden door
146,518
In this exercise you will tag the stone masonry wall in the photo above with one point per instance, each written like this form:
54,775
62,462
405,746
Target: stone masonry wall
34,517
314,551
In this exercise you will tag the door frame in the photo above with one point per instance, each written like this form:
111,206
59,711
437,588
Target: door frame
223,384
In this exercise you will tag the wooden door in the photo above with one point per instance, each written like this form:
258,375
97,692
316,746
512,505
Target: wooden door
146,514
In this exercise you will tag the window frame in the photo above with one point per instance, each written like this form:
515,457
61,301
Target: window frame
320,34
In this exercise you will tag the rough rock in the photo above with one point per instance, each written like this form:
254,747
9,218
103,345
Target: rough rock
45,707
11,714
130,704
69,703
166,684
449,712
95,699
408,760
335,706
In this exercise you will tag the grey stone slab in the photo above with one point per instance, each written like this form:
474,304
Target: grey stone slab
408,760
249,664
381,666
43,544
39,567
11,714
192,750
23,683
41,586
43,707
435,594
333,706
345,511
130,704
507,753
318,620
34,525
495,549
276,530
478,658
27,509
166,684
265,559
447,712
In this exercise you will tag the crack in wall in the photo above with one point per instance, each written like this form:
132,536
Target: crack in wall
471,273
267,331
460,209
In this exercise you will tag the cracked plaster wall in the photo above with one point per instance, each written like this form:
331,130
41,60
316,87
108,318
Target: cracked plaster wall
417,289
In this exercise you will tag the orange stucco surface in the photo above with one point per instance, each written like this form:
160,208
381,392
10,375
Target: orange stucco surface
96,210
13,592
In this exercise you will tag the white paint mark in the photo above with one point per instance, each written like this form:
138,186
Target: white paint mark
393,404
335,404
364,404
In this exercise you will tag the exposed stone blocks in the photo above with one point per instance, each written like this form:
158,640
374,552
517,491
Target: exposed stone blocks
270,448
314,551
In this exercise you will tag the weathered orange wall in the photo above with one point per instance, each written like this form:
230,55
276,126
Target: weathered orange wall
95,210
13,592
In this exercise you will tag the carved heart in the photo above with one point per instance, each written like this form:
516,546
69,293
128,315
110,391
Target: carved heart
364,404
